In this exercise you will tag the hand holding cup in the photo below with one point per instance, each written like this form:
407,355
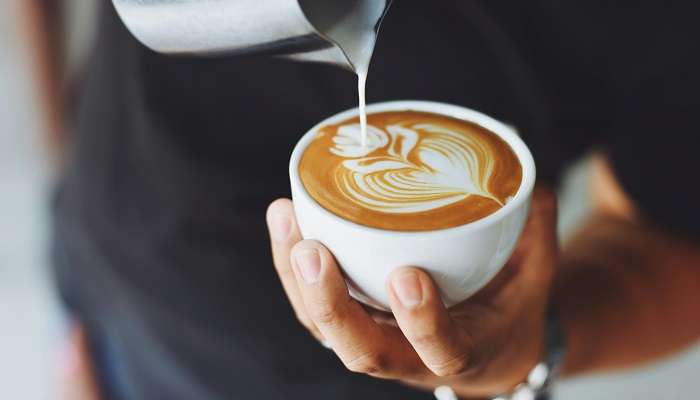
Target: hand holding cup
480,347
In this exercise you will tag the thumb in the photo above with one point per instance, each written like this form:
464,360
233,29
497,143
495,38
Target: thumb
75,375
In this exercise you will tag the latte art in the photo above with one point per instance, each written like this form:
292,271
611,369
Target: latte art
446,168
415,171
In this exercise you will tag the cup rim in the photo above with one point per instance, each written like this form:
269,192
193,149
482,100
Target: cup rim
505,132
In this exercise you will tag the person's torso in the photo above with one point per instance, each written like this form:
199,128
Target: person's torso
175,159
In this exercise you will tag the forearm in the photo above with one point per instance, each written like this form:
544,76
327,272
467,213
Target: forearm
43,30
627,294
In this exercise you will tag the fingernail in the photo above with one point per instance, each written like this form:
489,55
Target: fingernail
309,264
407,289
280,227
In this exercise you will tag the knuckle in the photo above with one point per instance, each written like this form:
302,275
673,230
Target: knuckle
305,321
454,366
369,363
430,334
325,313
309,325
425,338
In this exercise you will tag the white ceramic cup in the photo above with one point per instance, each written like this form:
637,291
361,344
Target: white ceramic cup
461,260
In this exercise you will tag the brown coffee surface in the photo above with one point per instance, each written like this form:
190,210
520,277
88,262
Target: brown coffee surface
417,171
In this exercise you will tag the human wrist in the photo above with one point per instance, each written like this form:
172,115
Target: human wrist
538,383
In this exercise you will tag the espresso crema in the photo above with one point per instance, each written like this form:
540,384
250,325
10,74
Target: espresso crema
417,171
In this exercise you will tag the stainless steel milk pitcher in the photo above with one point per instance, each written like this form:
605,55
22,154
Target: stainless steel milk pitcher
311,30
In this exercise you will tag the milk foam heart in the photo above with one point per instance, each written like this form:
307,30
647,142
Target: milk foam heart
415,171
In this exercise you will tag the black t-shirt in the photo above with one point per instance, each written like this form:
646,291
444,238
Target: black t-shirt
160,237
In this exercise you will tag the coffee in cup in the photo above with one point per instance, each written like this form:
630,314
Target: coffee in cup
417,171
436,186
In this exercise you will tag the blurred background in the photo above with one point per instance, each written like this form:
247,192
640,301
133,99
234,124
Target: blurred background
32,327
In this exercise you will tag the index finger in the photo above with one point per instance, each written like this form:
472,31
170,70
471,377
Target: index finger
284,234
363,345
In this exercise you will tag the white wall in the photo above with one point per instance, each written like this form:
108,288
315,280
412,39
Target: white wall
29,318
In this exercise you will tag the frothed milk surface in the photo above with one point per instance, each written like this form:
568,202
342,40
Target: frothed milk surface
416,171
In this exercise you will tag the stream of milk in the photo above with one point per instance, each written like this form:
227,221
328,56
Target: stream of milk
355,33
